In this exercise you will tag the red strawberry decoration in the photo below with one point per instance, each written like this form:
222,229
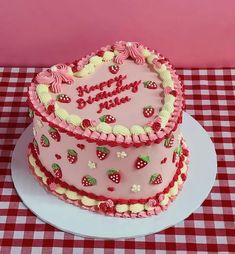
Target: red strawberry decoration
57,170
142,161
114,175
169,142
35,146
63,98
72,156
107,119
102,152
86,123
88,181
155,179
114,69
44,141
148,111
54,134
150,84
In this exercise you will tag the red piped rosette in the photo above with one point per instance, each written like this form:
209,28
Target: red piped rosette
183,158
102,139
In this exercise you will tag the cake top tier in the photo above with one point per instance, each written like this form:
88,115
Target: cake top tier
124,94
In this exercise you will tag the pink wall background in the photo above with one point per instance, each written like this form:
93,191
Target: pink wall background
191,33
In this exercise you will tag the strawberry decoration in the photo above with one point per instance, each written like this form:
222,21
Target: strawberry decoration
169,142
63,98
54,134
102,152
148,111
88,181
150,84
107,119
155,179
44,141
142,161
86,123
35,146
114,69
57,170
72,156
114,175
185,152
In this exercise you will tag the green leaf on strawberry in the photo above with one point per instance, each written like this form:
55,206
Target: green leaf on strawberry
178,150
155,179
44,141
88,181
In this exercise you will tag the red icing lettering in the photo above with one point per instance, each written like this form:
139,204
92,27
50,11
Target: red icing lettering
112,103
81,103
120,87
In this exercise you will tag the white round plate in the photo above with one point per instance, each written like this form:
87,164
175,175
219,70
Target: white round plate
69,218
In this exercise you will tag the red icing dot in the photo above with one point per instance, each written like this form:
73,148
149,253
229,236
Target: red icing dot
156,126
58,157
81,146
86,123
110,189
183,176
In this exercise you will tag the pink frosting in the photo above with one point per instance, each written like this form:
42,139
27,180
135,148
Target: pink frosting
55,78
129,49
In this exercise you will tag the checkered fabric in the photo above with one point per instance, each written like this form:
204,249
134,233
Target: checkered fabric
210,98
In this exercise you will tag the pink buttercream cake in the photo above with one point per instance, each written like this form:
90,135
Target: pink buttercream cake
107,131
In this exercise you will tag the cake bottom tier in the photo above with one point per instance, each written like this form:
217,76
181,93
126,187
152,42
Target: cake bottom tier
117,207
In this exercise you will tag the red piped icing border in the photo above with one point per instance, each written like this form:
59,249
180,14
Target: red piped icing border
157,198
102,138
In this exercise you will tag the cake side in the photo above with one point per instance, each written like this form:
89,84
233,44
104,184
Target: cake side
112,207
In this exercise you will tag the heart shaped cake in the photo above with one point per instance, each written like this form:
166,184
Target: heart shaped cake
107,131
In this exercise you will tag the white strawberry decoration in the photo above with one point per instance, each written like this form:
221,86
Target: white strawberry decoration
169,142
88,181
57,170
114,69
107,119
150,84
72,156
114,175
155,179
63,98
102,152
54,134
148,111
142,161
44,141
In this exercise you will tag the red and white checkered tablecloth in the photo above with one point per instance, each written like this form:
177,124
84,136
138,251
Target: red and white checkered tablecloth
210,98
